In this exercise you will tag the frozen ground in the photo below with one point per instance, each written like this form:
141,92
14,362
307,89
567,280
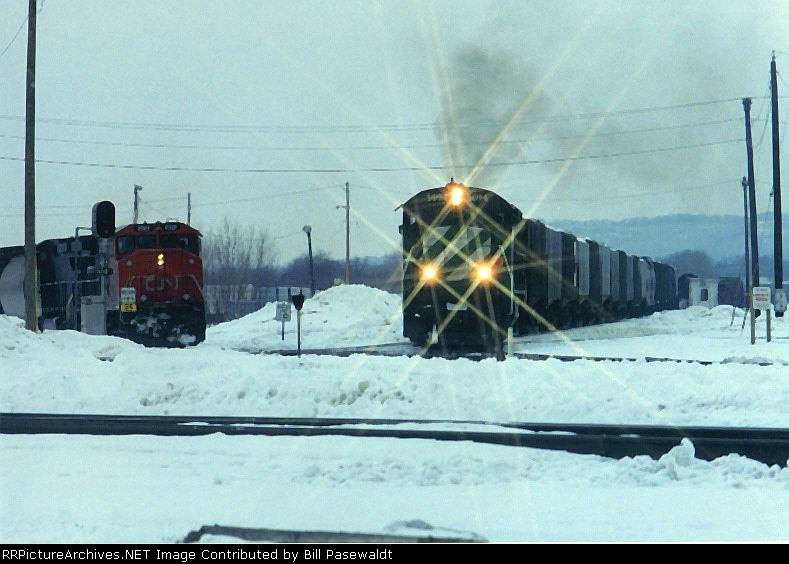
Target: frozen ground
68,488
150,489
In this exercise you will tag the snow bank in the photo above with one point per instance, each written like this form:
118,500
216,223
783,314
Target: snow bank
340,316
65,371
693,333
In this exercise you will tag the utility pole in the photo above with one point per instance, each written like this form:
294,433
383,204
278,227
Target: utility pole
347,233
778,230
31,271
136,202
747,250
347,208
189,208
746,104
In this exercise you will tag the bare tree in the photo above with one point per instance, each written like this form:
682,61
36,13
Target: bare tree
236,255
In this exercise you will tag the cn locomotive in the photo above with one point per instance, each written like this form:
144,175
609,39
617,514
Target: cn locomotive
474,267
143,281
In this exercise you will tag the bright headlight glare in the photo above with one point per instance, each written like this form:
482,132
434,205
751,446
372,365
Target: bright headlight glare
456,195
429,273
160,259
483,272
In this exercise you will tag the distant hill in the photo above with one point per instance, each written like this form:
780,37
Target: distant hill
720,236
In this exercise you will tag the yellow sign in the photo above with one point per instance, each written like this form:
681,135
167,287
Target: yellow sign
128,308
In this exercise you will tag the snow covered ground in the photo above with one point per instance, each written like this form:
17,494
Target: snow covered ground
151,488
694,333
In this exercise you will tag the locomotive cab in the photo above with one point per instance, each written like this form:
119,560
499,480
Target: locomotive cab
159,281
457,274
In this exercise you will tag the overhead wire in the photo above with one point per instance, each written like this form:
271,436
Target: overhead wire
370,169
314,128
366,147
18,31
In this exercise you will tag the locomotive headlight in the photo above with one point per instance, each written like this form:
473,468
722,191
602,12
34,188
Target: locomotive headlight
483,273
428,273
160,259
457,195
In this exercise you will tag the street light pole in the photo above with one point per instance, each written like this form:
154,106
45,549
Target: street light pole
308,230
137,189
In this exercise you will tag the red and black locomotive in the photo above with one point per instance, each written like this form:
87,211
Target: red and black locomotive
143,281
158,274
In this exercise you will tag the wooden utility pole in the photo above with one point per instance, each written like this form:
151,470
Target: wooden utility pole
136,203
747,250
778,230
746,104
31,277
347,233
189,208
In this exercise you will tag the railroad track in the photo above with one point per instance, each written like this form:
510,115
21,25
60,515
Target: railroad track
405,349
768,445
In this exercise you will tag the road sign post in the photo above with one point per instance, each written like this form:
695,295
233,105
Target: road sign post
761,301
283,315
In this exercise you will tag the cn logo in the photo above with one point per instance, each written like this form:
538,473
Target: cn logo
158,284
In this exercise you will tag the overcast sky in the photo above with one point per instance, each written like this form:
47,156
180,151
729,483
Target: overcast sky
254,87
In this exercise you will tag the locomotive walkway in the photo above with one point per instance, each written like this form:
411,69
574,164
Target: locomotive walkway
768,445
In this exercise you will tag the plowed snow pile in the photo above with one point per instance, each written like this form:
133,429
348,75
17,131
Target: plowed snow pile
340,316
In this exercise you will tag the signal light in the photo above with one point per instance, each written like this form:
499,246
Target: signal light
104,219
429,273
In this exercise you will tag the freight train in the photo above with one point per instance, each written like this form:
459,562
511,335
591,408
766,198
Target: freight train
474,267
143,281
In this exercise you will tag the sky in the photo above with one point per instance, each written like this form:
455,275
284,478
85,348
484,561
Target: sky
264,110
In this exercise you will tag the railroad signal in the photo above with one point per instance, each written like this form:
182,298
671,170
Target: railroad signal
298,303
104,219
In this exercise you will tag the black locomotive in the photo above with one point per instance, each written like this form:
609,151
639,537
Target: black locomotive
475,267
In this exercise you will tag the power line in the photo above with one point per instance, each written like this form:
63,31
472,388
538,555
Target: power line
643,194
18,31
372,169
369,147
258,198
592,198
358,127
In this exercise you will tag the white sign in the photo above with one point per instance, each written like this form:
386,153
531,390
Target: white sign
128,295
283,311
761,298
780,300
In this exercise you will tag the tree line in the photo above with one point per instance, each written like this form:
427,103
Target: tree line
236,256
